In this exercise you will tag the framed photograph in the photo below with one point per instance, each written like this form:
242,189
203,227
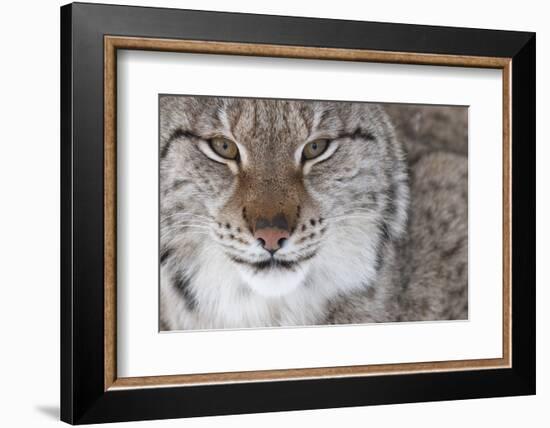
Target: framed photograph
265,213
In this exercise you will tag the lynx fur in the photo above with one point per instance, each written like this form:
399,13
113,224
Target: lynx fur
374,235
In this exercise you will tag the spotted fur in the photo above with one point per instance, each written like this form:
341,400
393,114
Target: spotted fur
353,253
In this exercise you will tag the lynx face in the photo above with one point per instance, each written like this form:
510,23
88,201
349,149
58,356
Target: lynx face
285,190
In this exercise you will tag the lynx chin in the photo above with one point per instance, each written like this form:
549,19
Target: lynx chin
288,213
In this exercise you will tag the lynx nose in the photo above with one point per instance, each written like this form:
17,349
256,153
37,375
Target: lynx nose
271,239
272,234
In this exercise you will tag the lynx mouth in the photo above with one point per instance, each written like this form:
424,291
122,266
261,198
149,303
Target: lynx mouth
273,277
273,263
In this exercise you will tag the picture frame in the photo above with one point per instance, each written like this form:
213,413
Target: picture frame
91,390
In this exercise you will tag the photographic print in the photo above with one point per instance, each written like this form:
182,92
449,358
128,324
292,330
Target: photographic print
339,184
281,213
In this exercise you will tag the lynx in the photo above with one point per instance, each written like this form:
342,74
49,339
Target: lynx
294,213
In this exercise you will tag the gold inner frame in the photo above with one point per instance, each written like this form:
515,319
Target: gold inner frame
113,43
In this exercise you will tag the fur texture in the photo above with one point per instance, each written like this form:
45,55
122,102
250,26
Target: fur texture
358,250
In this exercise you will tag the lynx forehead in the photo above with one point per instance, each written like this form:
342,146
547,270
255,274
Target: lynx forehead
265,203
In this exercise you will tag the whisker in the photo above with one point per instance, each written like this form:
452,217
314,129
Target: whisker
351,212
187,216
340,219
180,228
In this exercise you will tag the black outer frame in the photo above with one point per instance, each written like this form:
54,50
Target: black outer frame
83,399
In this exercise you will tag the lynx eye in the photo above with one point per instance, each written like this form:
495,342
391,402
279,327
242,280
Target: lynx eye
225,148
314,149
